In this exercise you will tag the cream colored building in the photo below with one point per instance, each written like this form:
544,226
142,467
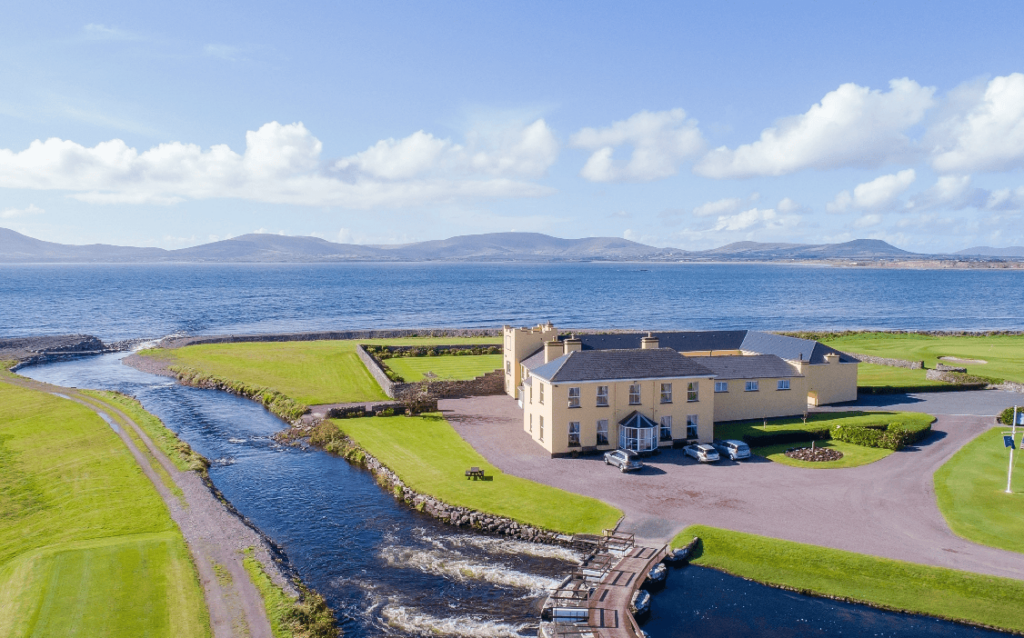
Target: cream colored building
595,392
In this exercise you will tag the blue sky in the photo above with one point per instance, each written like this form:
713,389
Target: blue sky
677,125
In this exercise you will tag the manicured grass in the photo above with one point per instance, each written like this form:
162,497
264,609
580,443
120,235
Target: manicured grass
310,372
872,376
819,421
458,368
1004,353
888,583
853,455
431,458
971,486
87,547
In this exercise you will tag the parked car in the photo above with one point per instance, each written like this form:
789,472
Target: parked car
703,452
625,460
732,449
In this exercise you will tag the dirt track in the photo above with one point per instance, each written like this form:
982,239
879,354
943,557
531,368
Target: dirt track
215,536
887,508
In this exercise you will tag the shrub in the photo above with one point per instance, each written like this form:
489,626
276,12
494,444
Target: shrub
894,436
759,439
1006,416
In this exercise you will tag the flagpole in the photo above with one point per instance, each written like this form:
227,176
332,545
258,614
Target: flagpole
1013,436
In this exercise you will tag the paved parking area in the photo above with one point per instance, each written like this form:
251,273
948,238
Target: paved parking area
885,509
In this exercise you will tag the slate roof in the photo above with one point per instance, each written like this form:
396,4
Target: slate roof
636,420
597,365
748,340
758,366
534,360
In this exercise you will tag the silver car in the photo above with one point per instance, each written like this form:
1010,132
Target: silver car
732,449
625,460
703,452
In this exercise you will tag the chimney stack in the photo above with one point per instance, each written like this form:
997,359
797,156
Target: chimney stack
650,342
552,350
572,344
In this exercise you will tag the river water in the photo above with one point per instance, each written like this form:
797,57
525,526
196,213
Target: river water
388,570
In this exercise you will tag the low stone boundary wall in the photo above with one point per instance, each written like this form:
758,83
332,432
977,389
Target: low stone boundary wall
883,361
1009,386
333,335
951,377
942,367
490,383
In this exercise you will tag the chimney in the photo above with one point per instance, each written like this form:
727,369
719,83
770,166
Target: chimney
831,358
572,344
650,342
552,350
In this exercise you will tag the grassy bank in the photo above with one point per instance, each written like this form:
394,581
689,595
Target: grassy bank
971,491
899,379
853,455
431,458
1004,354
309,372
72,563
947,593
180,453
290,616
458,368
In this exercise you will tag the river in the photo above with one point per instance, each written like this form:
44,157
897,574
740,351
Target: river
388,570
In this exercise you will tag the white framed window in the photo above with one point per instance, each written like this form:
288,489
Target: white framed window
531,423
602,432
692,389
783,384
666,428
541,423
574,397
751,386
666,393
574,434
692,431
602,396
540,395
634,394
721,386
508,367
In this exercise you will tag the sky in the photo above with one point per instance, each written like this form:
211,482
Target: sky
690,125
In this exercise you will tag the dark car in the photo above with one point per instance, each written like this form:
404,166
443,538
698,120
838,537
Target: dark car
625,460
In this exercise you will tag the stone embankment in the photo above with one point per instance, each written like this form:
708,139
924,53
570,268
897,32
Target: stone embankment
31,350
179,342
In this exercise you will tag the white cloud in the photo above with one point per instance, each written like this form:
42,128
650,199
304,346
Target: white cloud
280,164
867,221
10,213
522,151
986,136
660,141
755,218
877,194
719,207
1006,199
103,32
787,205
851,126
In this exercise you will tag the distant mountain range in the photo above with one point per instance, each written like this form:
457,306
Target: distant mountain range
265,248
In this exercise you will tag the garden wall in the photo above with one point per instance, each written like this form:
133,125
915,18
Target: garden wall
490,383
334,336
883,361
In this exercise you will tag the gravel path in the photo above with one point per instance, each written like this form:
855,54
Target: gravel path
215,536
887,508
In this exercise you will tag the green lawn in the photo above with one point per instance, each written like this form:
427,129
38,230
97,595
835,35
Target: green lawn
458,368
432,459
310,372
889,583
819,421
87,547
853,455
971,492
873,376
1004,353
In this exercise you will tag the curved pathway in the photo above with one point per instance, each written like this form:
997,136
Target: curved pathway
887,508
216,538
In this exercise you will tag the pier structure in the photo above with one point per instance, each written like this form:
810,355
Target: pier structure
595,600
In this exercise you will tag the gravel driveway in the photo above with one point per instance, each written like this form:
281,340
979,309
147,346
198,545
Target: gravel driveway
887,508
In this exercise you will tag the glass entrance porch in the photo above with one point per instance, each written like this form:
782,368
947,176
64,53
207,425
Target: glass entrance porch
638,433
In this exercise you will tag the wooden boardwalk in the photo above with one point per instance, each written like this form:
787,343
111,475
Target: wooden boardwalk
603,586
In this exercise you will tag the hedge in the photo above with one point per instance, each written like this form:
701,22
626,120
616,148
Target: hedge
761,439
1006,416
894,436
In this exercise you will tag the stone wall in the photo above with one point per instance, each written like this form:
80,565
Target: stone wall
952,377
883,361
334,335
490,383
942,367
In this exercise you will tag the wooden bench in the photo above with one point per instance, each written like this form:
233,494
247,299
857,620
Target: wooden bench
474,473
